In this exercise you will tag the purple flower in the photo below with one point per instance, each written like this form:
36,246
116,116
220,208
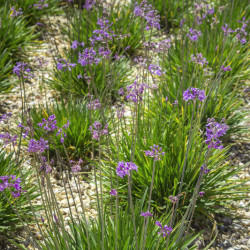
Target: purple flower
42,62
89,4
8,139
155,152
48,125
146,214
147,12
121,92
201,194
75,44
39,24
45,166
199,59
241,32
97,132
193,35
166,99
193,93
94,105
88,56
21,70
105,52
124,168
175,102
5,117
228,68
227,30
11,183
76,166
113,192
173,199
64,64
155,70
15,13
120,112
214,131
210,10
182,21
164,230
40,5
79,76
135,91
206,169
38,146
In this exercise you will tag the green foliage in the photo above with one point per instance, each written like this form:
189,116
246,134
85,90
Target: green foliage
8,218
125,238
168,128
78,141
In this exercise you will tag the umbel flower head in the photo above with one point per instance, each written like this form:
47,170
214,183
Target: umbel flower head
38,146
146,214
11,183
22,70
214,131
113,192
135,91
124,168
155,152
97,131
76,166
193,34
193,93
164,230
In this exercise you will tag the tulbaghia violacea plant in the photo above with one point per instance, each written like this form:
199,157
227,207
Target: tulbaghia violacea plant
193,93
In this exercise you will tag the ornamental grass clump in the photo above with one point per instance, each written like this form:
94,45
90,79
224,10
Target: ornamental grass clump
154,142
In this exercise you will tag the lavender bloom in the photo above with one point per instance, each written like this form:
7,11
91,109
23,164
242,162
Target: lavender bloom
241,32
214,131
135,91
75,44
228,68
155,152
76,166
89,4
155,70
39,24
94,105
124,168
79,76
37,146
8,139
193,93
26,130
163,46
21,70
5,117
227,30
146,214
199,20
166,99
45,166
105,52
164,230
121,92
173,199
63,63
199,59
48,125
182,22
40,5
210,10
201,194
11,183
42,62
97,132
206,169
113,192
175,102
61,132
15,13
120,112
151,16
88,56
193,35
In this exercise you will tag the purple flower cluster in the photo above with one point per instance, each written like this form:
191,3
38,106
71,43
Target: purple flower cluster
199,59
45,166
26,129
193,34
48,125
135,91
75,44
89,4
40,5
62,63
214,131
15,13
42,62
88,56
225,69
97,132
155,70
124,168
38,146
76,166
94,105
8,139
201,194
113,192
120,112
193,93
5,117
61,132
164,230
227,30
155,152
160,47
22,70
147,12
11,183
146,214
241,32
